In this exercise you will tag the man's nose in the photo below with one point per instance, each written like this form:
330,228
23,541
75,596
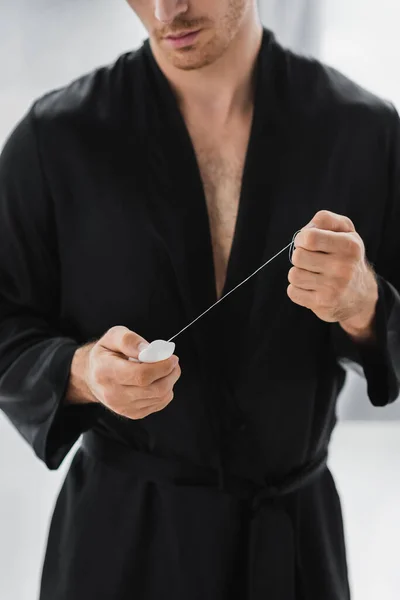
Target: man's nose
167,10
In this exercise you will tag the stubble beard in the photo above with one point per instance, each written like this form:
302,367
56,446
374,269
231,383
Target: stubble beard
192,57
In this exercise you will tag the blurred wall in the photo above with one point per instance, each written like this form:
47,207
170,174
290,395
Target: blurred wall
296,23
46,43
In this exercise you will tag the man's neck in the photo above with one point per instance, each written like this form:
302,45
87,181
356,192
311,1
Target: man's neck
223,89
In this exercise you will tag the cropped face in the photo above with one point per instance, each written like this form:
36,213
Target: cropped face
191,34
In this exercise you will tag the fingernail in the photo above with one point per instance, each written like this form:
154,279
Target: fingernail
143,346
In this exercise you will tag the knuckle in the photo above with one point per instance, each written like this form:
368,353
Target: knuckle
311,238
348,245
348,222
124,336
117,329
355,248
117,333
321,217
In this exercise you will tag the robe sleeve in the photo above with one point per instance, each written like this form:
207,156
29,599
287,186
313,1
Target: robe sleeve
35,357
379,363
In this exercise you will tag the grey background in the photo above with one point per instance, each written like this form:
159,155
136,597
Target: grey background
46,43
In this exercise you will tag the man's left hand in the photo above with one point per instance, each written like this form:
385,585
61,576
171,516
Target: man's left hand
331,275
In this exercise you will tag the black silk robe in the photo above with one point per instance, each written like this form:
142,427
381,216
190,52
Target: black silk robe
225,494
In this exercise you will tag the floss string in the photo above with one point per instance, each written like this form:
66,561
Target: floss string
290,246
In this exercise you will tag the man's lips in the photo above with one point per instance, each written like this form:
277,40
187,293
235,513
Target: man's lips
176,36
179,40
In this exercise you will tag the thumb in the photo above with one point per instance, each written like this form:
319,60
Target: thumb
124,341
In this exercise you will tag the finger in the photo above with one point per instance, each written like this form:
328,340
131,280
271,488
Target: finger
305,280
302,297
175,372
150,372
317,262
321,240
122,340
325,219
146,412
159,391
164,385
126,373
152,404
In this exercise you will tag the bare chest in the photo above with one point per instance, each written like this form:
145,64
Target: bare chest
221,167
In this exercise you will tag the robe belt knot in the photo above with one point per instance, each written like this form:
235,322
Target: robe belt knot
293,482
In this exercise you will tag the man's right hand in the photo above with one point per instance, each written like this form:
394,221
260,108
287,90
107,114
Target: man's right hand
130,389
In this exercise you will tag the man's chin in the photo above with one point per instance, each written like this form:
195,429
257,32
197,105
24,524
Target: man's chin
191,66
191,60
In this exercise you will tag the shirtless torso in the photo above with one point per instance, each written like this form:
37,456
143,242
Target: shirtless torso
221,157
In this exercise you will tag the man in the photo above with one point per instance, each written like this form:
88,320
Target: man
131,200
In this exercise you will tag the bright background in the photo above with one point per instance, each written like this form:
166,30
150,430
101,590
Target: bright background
46,43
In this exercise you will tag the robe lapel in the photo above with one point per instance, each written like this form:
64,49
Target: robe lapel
284,184
270,221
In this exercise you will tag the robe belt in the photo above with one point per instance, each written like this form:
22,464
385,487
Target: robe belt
180,472
272,546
